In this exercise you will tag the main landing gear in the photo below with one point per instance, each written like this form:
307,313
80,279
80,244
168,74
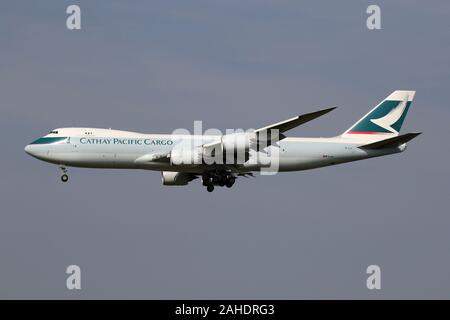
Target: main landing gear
218,178
64,177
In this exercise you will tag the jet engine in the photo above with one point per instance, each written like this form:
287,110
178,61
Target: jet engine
170,178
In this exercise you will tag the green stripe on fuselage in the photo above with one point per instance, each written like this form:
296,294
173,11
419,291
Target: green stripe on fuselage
48,140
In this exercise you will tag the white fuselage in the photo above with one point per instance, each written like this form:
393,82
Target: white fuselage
106,148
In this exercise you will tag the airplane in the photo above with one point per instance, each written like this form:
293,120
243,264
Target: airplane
219,159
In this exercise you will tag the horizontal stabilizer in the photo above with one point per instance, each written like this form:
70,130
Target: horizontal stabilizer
391,142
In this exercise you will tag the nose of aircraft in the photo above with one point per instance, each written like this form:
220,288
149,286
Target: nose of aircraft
28,149
37,151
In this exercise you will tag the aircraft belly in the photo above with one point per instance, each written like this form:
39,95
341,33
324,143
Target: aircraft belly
87,160
300,163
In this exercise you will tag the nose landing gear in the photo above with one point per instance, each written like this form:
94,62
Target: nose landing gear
64,177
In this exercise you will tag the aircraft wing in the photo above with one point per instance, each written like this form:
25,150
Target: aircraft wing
295,121
154,157
265,134
261,134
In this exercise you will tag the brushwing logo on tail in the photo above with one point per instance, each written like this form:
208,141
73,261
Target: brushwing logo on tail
387,117
392,117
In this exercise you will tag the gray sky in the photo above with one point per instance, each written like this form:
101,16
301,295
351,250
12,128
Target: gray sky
156,66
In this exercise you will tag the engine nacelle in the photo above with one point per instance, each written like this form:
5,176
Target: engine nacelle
170,178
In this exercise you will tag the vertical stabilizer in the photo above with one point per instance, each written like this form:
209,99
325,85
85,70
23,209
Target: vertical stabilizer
387,117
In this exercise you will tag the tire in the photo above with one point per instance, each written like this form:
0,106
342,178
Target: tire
210,188
64,178
229,183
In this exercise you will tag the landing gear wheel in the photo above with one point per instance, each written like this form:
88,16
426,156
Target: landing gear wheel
229,183
210,188
64,178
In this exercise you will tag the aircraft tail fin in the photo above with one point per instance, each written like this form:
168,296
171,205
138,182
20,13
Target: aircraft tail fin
387,117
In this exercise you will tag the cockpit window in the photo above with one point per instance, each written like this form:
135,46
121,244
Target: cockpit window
54,131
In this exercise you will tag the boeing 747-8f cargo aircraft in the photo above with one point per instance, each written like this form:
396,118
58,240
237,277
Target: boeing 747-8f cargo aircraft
220,159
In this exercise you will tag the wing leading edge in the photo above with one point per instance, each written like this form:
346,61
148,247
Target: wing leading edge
291,123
